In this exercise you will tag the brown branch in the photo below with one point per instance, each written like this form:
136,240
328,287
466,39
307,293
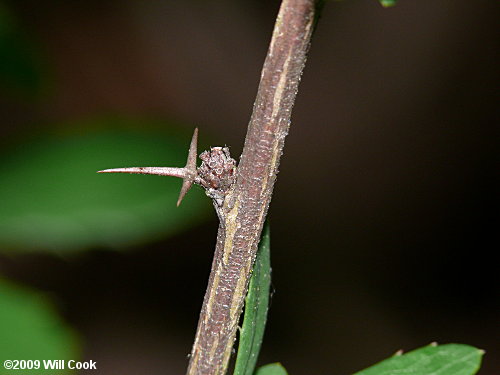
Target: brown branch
246,204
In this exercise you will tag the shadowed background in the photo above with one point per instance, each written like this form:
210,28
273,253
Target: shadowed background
383,214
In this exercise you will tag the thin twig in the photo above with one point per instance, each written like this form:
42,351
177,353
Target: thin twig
246,203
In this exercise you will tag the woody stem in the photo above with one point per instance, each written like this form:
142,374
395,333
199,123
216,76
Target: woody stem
246,204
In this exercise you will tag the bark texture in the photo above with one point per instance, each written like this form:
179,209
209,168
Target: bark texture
245,206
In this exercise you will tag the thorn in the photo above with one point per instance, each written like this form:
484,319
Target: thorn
190,168
193,152
189,174
159,171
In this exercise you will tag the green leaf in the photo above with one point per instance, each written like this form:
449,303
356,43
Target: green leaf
256,306
31,330
388,3
53,199
448,359
271,369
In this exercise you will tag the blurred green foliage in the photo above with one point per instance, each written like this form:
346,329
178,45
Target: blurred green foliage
20,67
31,330
388,3
53,199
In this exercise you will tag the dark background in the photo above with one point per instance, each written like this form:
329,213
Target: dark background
383,212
